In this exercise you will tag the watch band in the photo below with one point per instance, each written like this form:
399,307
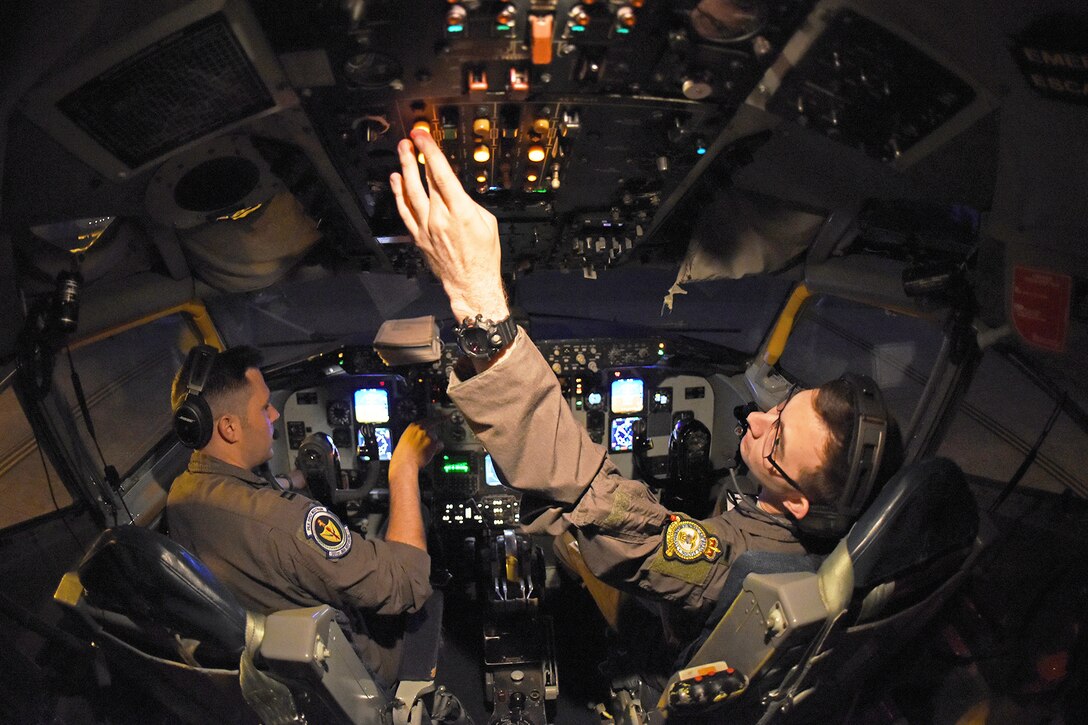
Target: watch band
484,339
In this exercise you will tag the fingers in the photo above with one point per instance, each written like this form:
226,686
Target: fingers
410,189
396,181
440,174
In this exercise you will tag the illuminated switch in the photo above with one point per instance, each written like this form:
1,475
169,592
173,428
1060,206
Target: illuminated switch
541,126
477,80
481,154
542,27
536,154
506,18
455,19
519,79
625,19
422,125
577,19
481,127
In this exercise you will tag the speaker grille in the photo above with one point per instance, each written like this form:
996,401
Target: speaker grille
187,85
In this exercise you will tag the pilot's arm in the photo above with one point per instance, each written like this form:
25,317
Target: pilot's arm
516,409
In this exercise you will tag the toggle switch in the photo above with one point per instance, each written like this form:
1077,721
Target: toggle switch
542,28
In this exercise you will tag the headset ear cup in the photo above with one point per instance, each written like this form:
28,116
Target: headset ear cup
193,422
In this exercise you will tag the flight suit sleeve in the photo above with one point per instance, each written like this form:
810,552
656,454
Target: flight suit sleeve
346,570
517,410
632,542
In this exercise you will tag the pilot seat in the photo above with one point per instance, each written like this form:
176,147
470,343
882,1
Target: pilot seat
794,642
161,618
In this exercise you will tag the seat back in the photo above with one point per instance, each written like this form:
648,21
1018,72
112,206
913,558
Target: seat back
164,590
168,624
797,642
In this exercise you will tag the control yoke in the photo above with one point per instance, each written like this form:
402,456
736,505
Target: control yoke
319,461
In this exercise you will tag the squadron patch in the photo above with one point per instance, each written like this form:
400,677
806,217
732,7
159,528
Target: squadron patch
688,542
324,529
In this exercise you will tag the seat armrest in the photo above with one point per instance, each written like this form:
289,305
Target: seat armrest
308,645
770,610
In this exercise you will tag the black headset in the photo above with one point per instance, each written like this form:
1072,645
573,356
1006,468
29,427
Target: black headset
193,420
865,453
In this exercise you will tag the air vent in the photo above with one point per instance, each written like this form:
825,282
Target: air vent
193,73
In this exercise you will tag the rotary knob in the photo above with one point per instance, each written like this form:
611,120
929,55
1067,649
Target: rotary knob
696,87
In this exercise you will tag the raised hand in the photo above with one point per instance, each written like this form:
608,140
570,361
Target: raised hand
458,237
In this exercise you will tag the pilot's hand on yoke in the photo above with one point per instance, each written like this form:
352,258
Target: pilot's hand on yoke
458,237
416,447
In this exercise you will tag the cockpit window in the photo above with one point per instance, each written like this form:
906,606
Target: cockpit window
1003,416
29,487
833,336
126,381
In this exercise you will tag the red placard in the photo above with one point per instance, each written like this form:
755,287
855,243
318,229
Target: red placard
1040,306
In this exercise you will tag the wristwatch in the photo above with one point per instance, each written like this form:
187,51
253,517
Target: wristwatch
483,339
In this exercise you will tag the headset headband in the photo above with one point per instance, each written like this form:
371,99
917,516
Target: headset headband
864,454
201,358
193,421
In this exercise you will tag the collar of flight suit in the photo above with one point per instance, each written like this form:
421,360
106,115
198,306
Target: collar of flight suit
203,463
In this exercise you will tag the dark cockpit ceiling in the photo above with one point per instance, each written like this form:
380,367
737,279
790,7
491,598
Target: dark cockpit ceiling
246,147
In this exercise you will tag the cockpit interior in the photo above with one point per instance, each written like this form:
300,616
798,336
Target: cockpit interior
703,206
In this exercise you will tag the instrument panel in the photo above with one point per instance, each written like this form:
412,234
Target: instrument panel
365,411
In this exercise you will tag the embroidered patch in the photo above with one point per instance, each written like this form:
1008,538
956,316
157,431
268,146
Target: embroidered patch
324,529
688,541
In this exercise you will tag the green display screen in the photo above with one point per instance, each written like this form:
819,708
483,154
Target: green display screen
456,463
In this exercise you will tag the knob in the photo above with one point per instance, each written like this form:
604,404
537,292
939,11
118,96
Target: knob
481,126
696,88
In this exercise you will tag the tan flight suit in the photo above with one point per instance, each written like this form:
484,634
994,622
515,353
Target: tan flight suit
518,412
281,550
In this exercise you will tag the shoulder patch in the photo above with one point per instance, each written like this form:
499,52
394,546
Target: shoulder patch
688,542
324,529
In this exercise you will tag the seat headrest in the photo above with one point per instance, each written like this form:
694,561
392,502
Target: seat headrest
924,512
149,578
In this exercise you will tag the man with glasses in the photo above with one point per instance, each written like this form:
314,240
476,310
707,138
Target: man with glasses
796,453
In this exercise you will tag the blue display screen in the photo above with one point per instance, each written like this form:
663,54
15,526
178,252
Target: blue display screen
371,405
623,433
627,395
384,439
491,478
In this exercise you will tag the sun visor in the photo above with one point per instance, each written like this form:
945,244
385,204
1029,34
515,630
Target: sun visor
742,234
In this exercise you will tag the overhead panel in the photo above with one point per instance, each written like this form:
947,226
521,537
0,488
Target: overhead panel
575,123
869,86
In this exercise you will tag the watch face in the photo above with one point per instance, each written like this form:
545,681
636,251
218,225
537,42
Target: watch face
474,342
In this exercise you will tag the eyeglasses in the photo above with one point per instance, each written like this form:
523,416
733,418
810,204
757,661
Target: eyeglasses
775,435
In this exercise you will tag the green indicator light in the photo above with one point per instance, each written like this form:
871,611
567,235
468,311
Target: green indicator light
455,28
456,467
502,27
660,352
577,28
540,191
624,31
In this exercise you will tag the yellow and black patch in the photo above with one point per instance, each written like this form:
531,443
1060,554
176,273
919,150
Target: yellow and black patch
687,541
324,529
687,552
